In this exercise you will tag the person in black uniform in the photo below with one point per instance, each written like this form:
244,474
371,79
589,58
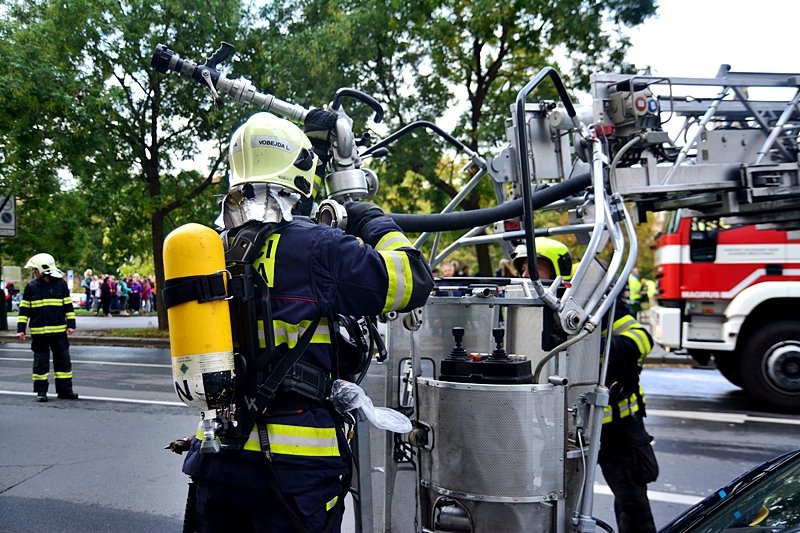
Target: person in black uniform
46,308
626,455
289,474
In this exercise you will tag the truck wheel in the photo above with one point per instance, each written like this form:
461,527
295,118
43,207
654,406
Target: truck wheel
771,365
729,365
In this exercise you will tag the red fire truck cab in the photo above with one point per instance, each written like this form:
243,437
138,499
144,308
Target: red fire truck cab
732,293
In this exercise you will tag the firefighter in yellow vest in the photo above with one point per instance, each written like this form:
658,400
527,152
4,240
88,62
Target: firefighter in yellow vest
289,474
46,308
626,453
552,259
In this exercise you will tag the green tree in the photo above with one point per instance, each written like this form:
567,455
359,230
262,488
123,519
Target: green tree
419,59
85,104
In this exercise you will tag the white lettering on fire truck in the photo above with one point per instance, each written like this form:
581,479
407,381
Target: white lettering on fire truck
700,294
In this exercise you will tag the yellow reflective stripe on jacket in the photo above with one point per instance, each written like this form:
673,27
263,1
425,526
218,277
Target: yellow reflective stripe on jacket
41,377
394,240
627,406
22,319
50,302
66,300
400,280
330,504
638,336
70,315
49,329
621,324
289,333
64,375
293,440
262,334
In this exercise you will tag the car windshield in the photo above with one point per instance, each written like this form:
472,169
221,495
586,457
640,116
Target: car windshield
771,504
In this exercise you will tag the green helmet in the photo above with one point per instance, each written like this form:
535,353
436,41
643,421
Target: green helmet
546,248
45,264
268,149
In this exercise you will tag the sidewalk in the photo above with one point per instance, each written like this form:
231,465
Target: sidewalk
91,330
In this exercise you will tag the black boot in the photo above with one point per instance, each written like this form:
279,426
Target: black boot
41,397
67,396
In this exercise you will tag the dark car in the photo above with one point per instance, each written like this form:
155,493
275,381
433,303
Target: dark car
765,499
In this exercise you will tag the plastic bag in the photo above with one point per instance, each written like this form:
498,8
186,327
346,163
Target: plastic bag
347,396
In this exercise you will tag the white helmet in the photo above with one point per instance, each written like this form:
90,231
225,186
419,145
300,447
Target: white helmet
45,264
268,149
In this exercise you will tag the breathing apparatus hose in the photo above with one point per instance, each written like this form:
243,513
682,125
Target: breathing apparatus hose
482,217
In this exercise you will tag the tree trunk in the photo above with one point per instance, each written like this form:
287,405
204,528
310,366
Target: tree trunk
157,230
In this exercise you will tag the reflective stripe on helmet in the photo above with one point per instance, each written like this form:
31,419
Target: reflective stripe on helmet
401,282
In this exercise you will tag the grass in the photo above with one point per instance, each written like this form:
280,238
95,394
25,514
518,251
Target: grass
147,333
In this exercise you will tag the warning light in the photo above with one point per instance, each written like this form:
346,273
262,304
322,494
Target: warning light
604,130
640,103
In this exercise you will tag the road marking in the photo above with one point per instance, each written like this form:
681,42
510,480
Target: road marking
656,495
105,399
727,418
74,361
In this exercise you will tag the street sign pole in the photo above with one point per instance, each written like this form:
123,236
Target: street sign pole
8,228
3,308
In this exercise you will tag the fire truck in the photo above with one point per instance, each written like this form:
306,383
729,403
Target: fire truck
732,293
502,378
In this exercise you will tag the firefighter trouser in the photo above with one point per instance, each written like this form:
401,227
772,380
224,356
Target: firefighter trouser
41,346
628,470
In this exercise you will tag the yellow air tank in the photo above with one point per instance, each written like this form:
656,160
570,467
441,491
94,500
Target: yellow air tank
199,332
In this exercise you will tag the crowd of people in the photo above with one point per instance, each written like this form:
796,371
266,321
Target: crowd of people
127,295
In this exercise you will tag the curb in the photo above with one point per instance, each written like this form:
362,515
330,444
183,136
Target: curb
100,340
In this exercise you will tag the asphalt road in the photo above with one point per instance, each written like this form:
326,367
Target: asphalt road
98,464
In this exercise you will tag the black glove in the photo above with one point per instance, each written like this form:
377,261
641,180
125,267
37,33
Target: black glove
318,126
358,214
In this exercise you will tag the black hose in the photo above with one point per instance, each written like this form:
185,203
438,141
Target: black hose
602,525
482,217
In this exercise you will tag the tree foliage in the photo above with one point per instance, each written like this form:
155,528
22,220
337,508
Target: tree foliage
420,59
105,155
89,114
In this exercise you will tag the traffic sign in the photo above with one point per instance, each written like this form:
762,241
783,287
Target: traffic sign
8,216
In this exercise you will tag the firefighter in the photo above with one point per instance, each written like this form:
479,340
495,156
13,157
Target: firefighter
635,292
552,259
292,472
46,307
626,455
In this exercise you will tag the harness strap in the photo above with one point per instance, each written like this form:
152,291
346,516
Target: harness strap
202,289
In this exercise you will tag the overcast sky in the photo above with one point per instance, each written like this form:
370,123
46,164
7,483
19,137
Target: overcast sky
692,38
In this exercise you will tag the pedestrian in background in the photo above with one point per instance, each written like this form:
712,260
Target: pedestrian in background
146,295
136,294
504,269
96,294
86,283
106,290
9,294
122,293
46,308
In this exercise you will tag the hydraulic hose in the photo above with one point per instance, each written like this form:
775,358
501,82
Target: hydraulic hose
482,217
